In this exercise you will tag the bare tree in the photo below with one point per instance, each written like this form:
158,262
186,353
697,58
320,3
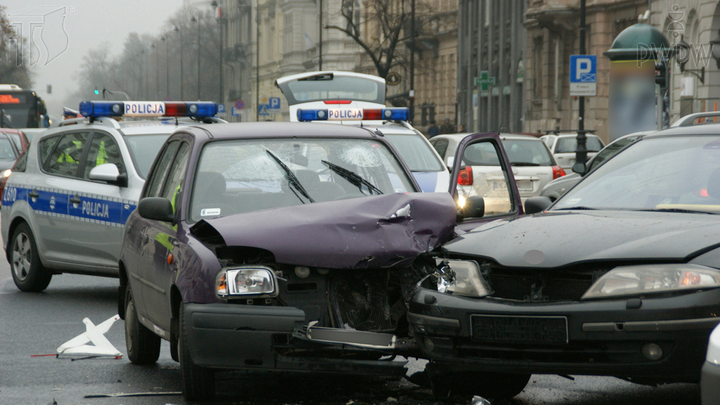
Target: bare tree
13,62
380,27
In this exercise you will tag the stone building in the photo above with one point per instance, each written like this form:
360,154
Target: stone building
552,36
697,23
291,41
491,45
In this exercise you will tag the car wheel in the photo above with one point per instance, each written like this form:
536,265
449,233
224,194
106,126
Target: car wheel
198,383
28,273
489,385
143,346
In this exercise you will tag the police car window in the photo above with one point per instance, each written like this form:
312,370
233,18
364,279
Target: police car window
46,146
21,163
103,149
144,149
177,172
415,152
440,146
158,176
67,155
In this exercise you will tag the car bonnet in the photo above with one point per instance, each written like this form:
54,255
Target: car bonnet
565,238
370,232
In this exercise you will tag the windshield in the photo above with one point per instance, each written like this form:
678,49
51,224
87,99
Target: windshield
237,176
6,150
327,87
569,144
143,149
415,152
527,152
667,173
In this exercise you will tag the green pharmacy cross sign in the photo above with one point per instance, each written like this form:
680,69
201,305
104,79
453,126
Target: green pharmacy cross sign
484,80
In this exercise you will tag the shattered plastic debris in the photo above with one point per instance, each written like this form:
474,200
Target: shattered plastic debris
78,347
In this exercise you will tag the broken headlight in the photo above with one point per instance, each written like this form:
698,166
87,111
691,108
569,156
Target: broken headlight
246,281
653,278
460,277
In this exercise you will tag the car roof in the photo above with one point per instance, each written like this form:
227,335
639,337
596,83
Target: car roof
700,129
285,129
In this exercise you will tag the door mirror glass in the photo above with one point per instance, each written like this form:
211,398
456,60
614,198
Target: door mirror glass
579,168
157,209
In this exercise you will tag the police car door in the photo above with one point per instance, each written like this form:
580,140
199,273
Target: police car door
99,209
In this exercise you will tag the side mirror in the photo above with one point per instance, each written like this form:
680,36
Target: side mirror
108,172
579,168
533,205
156,208
474,207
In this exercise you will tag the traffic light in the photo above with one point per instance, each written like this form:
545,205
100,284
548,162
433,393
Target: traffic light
661,74
97,92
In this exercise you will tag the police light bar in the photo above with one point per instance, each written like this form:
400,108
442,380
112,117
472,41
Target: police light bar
374,114
94,109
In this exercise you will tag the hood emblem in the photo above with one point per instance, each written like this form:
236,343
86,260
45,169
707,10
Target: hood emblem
534,257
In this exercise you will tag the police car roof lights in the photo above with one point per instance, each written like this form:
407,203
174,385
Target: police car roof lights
374,114
199,109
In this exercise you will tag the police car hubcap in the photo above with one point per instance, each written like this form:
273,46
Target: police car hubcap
21,253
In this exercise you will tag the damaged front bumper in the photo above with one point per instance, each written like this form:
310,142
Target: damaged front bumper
275,338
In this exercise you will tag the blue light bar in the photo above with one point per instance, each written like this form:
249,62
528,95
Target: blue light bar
312,115
101,108
396,114
200,109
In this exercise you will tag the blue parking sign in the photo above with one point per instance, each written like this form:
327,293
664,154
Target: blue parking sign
583,75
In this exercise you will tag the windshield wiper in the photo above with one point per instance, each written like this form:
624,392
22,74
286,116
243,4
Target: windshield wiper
352,177
292,179
684,210
578,208
524,164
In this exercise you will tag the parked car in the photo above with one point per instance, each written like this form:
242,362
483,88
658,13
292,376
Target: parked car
619,277
358,99
19,138
560,186
710,379
533,164
66,201
564,145
280,247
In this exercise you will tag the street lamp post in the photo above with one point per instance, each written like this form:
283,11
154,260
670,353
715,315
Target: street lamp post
157,69
182,92
167,65
198,54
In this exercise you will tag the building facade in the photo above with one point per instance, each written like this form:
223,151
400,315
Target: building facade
292,41
697,23
552,37
490,82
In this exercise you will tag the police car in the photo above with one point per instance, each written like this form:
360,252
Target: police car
358,99
65,204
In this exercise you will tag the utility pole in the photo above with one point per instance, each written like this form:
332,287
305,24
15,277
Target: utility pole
581,151
257,65
320,40
412,61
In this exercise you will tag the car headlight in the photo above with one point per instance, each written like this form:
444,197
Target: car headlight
246,281
460,277
653,278
5,173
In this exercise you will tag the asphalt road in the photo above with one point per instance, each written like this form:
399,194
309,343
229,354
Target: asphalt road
37,323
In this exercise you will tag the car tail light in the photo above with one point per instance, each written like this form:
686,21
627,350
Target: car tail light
465,177
558,172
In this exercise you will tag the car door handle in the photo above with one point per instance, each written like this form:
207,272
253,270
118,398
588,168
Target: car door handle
75,200
34,194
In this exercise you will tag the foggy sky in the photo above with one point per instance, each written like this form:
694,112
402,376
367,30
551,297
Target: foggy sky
70,28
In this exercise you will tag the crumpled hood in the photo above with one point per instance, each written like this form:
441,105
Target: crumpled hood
370,232
568,237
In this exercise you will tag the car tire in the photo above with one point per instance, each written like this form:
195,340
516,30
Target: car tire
198,383
143,346
489,385
28,272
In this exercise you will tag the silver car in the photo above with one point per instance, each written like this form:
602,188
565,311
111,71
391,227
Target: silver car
533,164
564,145
65,203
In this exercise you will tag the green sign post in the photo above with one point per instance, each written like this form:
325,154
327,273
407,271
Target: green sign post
484,80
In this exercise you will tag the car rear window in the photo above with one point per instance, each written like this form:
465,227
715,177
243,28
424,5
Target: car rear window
528,152
569,145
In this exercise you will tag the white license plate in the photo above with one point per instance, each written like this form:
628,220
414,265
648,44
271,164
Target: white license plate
525,185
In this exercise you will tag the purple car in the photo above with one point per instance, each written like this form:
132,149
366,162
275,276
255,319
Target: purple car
281,247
